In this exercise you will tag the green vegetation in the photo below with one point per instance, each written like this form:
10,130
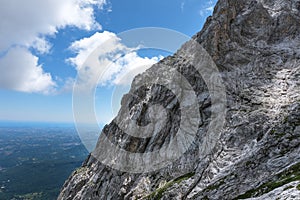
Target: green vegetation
157,194
249,163
277,134
293,137
30,196
272,131
298,187
280,135
80,170
288,187
215,186
35,162
289,175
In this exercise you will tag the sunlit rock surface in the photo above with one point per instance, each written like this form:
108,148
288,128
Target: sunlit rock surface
256,47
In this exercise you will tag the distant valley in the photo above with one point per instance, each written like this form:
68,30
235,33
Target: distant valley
36,160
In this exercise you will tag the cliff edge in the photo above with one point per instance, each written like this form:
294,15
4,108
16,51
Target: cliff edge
256,47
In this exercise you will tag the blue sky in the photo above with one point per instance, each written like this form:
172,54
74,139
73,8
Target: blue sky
43,44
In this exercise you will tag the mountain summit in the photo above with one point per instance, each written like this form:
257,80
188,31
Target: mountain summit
256,48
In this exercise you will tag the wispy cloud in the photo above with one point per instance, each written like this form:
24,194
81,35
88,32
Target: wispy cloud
207,8
211,8
182,6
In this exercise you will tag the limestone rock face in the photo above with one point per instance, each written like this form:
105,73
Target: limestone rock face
256,47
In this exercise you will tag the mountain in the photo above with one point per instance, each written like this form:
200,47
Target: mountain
252,153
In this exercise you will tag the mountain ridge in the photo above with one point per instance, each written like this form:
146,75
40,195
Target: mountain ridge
255,45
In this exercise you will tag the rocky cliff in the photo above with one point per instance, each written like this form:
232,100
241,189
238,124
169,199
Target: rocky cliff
256,47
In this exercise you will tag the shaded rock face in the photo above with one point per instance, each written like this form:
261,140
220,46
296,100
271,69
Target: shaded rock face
256,46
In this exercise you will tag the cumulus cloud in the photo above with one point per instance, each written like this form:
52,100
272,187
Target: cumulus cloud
20,71
129,66
84,47
112,63
41,45
27,24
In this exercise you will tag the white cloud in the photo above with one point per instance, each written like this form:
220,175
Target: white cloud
208,8
112,63
41,45
130,65
211,8
27,24
68,85
86,46
20,71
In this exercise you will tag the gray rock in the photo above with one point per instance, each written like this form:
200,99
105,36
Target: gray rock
256,47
